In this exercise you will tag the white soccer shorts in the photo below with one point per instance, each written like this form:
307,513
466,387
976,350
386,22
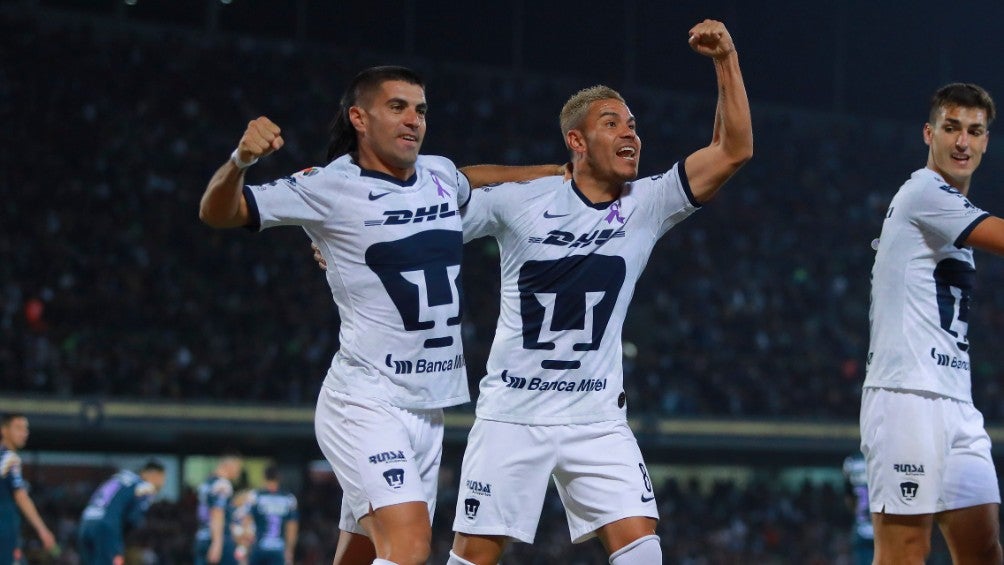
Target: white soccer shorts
381,454
925,453
597,468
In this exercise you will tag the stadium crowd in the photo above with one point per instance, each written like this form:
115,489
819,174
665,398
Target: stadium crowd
109,285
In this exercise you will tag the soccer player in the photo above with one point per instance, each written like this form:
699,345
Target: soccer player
863,534
928,455
14,499
120,503
386,219
273,517
552,403
214,541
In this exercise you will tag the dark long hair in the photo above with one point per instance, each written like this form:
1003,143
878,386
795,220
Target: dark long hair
343,136
965,95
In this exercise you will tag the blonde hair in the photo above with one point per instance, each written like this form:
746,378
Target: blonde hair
574,111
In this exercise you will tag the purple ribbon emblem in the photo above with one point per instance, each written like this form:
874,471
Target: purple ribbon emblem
615,213
439,188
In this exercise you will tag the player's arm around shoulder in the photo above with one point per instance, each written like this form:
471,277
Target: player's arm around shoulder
483,175
493,209
731,145
223,204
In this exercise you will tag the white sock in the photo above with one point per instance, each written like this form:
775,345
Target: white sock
379,561
457,560
642,551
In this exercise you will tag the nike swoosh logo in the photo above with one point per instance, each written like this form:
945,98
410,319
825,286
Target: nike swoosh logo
377,196
649,499
548,215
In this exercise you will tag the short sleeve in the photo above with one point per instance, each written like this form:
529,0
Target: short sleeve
304,199
478,215
669,196
222,491
944,212
10,471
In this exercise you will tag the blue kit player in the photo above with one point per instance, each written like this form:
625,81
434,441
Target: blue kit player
14,498
863,534
119,504
276,522
214,542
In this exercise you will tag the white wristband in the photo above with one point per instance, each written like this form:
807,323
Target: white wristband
236,158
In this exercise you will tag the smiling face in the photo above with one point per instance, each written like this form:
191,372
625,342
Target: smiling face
957,138
606,145
390,124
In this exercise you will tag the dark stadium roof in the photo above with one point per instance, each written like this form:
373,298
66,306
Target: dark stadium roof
870,57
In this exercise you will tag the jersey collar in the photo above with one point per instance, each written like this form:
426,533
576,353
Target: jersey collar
385,177
597,205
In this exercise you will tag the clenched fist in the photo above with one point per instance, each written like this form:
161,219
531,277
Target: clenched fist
260,139
711,39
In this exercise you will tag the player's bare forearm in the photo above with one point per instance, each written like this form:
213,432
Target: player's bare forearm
481,175
731,144
988,235
216,519
222,204
292,532
733,121
30,512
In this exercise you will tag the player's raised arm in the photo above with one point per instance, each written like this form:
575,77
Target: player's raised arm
732,139
481,175
223,204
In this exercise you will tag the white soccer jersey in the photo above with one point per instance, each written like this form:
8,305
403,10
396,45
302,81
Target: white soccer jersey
393,250
921,285
569,269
